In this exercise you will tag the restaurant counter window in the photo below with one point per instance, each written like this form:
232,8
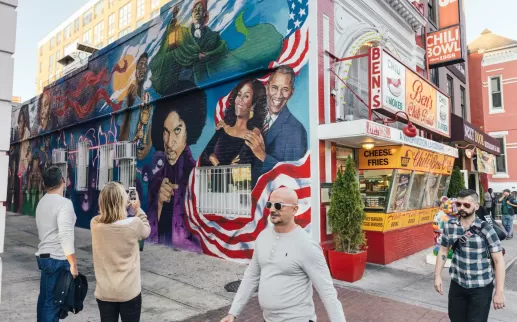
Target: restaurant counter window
417,190
400,191
375,185
431,190
443,187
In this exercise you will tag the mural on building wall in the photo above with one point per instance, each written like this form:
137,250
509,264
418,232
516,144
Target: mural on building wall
214,95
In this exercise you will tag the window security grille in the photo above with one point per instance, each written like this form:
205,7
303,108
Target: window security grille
225,190
125,154
60,159
105,168
82,164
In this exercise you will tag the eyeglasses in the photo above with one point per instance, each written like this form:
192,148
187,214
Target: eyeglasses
466,205
278,205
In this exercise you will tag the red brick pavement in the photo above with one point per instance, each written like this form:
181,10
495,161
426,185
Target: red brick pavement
358,306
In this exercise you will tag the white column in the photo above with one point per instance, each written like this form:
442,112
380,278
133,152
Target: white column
7,43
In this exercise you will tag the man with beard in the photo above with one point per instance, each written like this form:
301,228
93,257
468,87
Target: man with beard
477,252
508,203
285,264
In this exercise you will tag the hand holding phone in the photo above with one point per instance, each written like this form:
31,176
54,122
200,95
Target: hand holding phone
134,200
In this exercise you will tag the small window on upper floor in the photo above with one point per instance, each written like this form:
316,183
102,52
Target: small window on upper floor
87,17
431,10
495,87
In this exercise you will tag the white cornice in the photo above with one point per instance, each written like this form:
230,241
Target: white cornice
408,12
498,57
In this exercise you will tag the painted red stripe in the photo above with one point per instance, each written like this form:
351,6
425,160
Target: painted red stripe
303,54
297,37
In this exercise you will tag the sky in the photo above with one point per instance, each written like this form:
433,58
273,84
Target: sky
38,17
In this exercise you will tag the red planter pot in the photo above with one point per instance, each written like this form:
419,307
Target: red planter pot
347,267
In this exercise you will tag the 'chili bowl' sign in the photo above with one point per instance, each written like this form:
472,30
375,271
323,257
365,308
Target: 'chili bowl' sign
405,90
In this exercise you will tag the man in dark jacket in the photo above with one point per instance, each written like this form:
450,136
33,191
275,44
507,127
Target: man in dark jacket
507,212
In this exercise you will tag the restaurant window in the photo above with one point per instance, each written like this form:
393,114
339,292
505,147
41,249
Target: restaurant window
501,158
443,186
400,191
431,10
225,190
375,186
450,90
416,190
432,183
111,24
87,17
124,16
140,8
435,76
463,103
496,94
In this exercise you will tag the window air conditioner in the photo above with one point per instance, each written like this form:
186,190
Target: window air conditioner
59,156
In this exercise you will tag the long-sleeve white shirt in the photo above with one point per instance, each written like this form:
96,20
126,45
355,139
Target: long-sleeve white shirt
55,219
285,267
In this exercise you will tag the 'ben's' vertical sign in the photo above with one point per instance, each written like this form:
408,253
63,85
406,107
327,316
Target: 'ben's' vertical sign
375,78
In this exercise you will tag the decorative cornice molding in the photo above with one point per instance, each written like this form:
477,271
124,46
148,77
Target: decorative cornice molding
408,12
499,57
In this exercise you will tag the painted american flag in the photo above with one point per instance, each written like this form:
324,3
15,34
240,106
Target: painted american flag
233,239
295,50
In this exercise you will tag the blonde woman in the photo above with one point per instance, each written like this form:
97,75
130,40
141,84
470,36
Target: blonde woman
116,254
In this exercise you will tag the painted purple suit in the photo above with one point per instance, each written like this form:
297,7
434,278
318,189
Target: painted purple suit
172,229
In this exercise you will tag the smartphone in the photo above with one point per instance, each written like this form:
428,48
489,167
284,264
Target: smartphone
132,193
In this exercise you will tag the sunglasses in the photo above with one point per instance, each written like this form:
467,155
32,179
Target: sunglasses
466,205
278,205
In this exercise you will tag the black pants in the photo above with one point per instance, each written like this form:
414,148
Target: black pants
469,305
129,311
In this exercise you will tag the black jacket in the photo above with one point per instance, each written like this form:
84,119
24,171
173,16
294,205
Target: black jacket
70,293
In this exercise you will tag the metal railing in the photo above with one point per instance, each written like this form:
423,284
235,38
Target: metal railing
225,190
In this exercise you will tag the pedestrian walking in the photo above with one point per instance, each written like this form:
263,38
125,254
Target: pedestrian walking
488,202
116,254
55,220
493,204
285,264
477,257
507,212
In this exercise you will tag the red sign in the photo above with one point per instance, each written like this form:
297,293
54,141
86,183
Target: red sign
444,47
449,13
375,78
378,130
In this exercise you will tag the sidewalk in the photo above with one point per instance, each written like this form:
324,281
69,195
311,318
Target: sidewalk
358,307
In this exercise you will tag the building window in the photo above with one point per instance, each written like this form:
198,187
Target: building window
87,17
58,39
225,190
68,31
155,4
51,43
40,67
110,40
82,162
140,8
105,167
435,76
51,63
450,90
155,14
70,48
110,3
41,51
501,159
111,24
431,10
124,16
87,37
58,55
98,33
463,103
496,93
139,23
77,25
99,8
124,32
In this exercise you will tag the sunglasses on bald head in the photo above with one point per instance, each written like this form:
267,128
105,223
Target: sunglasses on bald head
278,205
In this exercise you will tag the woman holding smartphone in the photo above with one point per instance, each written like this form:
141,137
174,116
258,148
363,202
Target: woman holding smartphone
116,254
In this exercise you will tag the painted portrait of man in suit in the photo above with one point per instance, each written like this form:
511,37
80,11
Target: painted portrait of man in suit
283,137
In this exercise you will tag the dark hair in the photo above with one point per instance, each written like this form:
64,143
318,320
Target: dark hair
40,106
285,69
24,111
52,177
259,104
190,104
144,55
490,190
468,193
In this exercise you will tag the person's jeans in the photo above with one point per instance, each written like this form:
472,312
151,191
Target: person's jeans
49,267
472,305
508,224
129,311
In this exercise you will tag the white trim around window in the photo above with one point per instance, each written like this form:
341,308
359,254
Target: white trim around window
491,109
504,149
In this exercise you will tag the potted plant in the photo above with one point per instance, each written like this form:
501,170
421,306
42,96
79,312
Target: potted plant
346,215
